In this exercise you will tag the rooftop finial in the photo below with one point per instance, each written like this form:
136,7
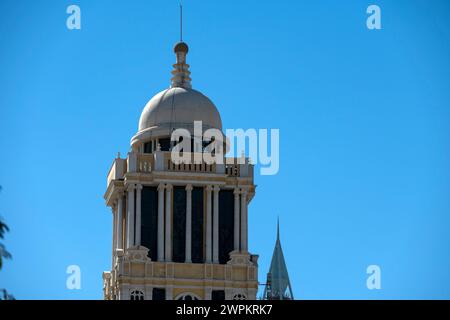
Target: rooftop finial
181,21
278,228
181,74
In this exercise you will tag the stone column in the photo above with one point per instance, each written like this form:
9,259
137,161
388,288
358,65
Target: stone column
237,218
148,292
119,242
124,293
251,294
130,216
169,292
138,214
208,293
161,222
208,224
216,225
189,223
114,228
168,249
244,220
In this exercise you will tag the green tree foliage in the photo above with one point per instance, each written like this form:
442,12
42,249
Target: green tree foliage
4,254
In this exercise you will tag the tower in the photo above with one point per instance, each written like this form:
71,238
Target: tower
278,286
180,229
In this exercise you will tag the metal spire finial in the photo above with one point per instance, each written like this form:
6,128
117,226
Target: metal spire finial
278,228
181,74
181,21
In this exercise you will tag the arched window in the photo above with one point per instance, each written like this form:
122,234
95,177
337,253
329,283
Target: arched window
137,295
187,297
239,296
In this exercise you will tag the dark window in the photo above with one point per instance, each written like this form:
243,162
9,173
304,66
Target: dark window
226,224
149,220
179,224
137,295
218,295
239,296
197,225
165,144
159,294
148,147
187,297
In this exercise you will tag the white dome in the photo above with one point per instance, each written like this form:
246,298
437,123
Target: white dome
179,108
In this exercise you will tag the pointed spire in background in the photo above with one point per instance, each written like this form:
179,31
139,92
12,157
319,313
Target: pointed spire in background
278,229
278,285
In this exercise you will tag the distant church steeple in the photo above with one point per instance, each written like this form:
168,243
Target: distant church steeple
278,286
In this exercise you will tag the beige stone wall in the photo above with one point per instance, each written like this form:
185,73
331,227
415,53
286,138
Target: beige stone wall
130,273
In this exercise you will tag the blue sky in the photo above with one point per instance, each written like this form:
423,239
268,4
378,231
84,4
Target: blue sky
364,119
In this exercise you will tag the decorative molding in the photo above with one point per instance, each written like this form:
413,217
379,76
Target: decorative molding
136,254
240,258
183,295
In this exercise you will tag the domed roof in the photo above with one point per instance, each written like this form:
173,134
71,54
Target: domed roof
178,108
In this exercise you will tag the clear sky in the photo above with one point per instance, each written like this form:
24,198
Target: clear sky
364,119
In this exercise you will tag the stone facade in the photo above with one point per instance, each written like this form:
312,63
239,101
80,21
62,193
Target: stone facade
134,275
